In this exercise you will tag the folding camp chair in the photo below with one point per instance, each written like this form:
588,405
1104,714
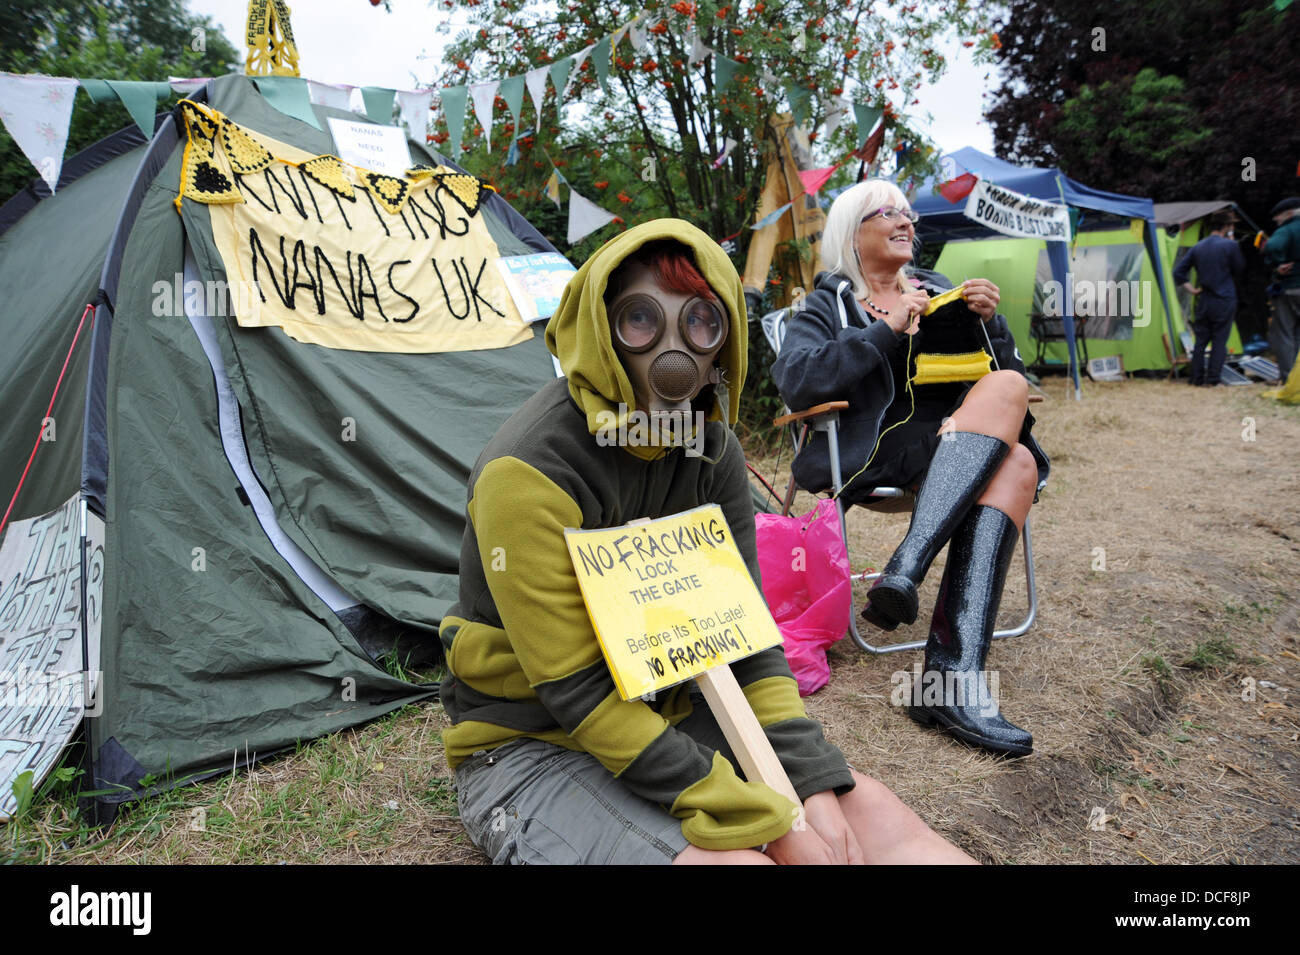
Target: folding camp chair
825,418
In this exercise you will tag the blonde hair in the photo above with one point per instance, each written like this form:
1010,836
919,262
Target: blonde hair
839,238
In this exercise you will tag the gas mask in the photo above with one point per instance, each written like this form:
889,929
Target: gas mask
667,342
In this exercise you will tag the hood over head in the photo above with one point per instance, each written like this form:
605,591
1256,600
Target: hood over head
578,334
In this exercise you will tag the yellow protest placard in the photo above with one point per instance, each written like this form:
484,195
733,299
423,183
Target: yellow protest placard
669,598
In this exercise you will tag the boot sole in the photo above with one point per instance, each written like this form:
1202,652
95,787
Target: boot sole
928,717
892,600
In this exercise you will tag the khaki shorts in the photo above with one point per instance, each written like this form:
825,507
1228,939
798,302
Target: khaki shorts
534,803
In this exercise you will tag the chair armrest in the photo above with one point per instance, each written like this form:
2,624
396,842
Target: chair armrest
812,412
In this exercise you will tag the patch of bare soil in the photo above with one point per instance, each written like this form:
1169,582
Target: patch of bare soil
1161,680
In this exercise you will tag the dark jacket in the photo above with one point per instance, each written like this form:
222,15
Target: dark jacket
834,351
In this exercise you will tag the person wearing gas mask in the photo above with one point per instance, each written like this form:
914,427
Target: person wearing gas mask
551,765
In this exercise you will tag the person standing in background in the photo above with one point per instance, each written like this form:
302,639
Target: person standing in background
1280,253
1219,266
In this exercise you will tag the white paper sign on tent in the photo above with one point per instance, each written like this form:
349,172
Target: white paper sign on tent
1015,214
378,148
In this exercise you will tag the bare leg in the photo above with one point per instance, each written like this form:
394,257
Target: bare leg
995,405
890,833
1012,488
694,855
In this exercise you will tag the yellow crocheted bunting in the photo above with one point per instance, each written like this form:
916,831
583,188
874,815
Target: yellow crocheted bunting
330,172
466,189
206,175
389,191
245,153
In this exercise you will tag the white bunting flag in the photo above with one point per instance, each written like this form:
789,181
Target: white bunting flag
484,96
535,80
585,218
185,85
327,94
576,69
835,109
414,105
637,36
699,51
36,110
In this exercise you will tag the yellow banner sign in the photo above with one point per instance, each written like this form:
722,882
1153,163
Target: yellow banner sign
344,257
669,599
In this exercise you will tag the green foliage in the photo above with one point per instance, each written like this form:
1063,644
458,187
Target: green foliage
645,149
1211,654
1139,124
109,39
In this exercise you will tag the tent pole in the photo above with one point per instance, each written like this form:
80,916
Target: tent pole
85,671
1153,253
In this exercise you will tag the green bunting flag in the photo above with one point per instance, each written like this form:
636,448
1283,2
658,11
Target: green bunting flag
798,97
724,70
512,91
866,117
454,100
140,97
560,76
379,104
600,56
289,94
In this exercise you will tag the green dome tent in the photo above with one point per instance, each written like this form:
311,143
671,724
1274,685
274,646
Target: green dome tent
232,511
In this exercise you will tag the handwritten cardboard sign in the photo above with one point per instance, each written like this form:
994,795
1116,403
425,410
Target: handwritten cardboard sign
669,598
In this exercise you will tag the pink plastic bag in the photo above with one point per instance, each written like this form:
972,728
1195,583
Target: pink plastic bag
806,582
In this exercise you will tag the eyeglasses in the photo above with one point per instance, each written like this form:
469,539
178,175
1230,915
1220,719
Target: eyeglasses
889,213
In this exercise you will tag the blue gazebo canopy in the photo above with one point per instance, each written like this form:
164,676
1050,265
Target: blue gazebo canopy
942,221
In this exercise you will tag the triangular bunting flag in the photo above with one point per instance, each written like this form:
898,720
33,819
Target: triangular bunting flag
699,52
798,97
414,107
560,76
578,59
814,179
553,187
246,154
835,109
637,36
453,114
329,172
955,190
585,218
325,94
185,85
771,217
600,55
484,96
140,97
389,190
726,151
379,104
724,70
512,91
36,110
535,80
289,95
866,117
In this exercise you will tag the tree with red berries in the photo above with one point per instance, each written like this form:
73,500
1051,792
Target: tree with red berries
646,148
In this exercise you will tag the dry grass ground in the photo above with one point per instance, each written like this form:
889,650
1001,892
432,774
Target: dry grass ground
1168,555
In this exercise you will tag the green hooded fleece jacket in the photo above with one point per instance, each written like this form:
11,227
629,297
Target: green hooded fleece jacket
523,656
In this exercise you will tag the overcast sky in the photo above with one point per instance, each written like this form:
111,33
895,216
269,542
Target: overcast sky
348,41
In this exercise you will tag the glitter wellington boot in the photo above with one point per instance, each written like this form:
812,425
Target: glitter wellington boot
961,467
953,693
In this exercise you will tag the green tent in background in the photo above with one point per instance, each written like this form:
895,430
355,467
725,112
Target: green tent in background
230,524
1020,269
